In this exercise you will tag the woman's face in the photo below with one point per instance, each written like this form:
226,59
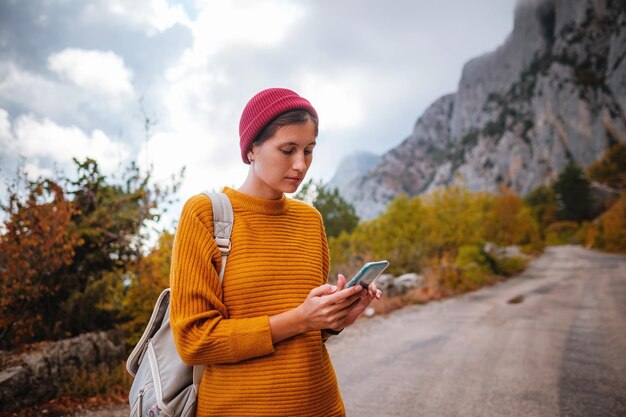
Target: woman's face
282,160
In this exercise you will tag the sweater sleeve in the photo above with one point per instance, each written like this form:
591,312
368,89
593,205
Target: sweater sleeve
325,252
202,331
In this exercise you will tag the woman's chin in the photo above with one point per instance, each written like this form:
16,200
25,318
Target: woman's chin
290,186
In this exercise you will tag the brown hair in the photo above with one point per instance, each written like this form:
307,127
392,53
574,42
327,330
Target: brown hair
292,117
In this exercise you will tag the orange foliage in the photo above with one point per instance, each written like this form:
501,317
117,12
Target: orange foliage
148,278
508,222
37,243
613,227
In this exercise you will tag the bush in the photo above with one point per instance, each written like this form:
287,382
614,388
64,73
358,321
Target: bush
563,233
614,227
609,231
510,266
442,233
474,265
147,279
508,222
542,203
101,381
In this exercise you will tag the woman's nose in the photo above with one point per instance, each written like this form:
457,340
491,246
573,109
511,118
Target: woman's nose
299,162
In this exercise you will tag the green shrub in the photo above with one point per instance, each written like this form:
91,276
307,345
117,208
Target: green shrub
474,265
510,266
562,233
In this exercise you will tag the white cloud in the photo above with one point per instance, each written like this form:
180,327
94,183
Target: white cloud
34,171
9,150
156,15
97,71
207,168
45,139
221,25
5,126
226,23
338,99
30,90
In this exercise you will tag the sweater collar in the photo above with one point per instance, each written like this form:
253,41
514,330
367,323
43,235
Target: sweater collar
256,204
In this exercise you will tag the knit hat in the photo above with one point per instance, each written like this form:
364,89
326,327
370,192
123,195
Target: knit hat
262,109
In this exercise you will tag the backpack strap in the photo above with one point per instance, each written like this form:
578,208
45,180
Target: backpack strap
223,219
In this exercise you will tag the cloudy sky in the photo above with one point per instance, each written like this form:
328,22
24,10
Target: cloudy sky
78,78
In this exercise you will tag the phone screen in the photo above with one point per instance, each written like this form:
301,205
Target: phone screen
368,273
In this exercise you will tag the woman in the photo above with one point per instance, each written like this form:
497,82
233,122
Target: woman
261,332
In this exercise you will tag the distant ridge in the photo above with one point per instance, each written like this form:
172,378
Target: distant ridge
352,167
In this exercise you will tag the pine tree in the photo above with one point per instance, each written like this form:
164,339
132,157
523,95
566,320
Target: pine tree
573,193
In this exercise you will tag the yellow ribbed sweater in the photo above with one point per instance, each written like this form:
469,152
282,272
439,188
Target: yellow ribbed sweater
279,253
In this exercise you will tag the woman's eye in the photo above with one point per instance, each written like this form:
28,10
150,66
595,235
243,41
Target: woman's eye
308,151
287,151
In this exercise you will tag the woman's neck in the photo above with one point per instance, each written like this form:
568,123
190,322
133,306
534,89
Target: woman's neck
254,187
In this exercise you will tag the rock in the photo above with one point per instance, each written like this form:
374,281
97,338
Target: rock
383,282
397,172
503,252
409,281
36,375
393,286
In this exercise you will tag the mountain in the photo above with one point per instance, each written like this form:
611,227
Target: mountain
554,92
352,167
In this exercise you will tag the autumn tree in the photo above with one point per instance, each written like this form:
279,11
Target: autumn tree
611,169
396,235
39,241
109,219
400,234
413,231
453,218
509,222
612,227
83,235
145,281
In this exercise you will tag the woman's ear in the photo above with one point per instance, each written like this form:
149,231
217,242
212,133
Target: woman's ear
252,152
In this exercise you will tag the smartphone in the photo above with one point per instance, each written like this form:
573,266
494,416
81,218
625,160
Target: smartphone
368,273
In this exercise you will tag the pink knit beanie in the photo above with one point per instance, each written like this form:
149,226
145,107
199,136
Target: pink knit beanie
262,109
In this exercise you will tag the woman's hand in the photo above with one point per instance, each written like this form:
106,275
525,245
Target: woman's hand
365,299
327,306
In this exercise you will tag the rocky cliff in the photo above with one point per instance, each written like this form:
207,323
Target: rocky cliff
554,92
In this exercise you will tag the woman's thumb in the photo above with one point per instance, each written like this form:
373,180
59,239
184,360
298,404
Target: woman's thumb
341,282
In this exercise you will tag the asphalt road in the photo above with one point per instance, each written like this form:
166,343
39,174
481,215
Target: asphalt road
550,342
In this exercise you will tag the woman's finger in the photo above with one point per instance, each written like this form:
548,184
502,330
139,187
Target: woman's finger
343,294
341,282
349,302
323,290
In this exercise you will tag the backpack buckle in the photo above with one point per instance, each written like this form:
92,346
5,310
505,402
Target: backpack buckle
223,245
